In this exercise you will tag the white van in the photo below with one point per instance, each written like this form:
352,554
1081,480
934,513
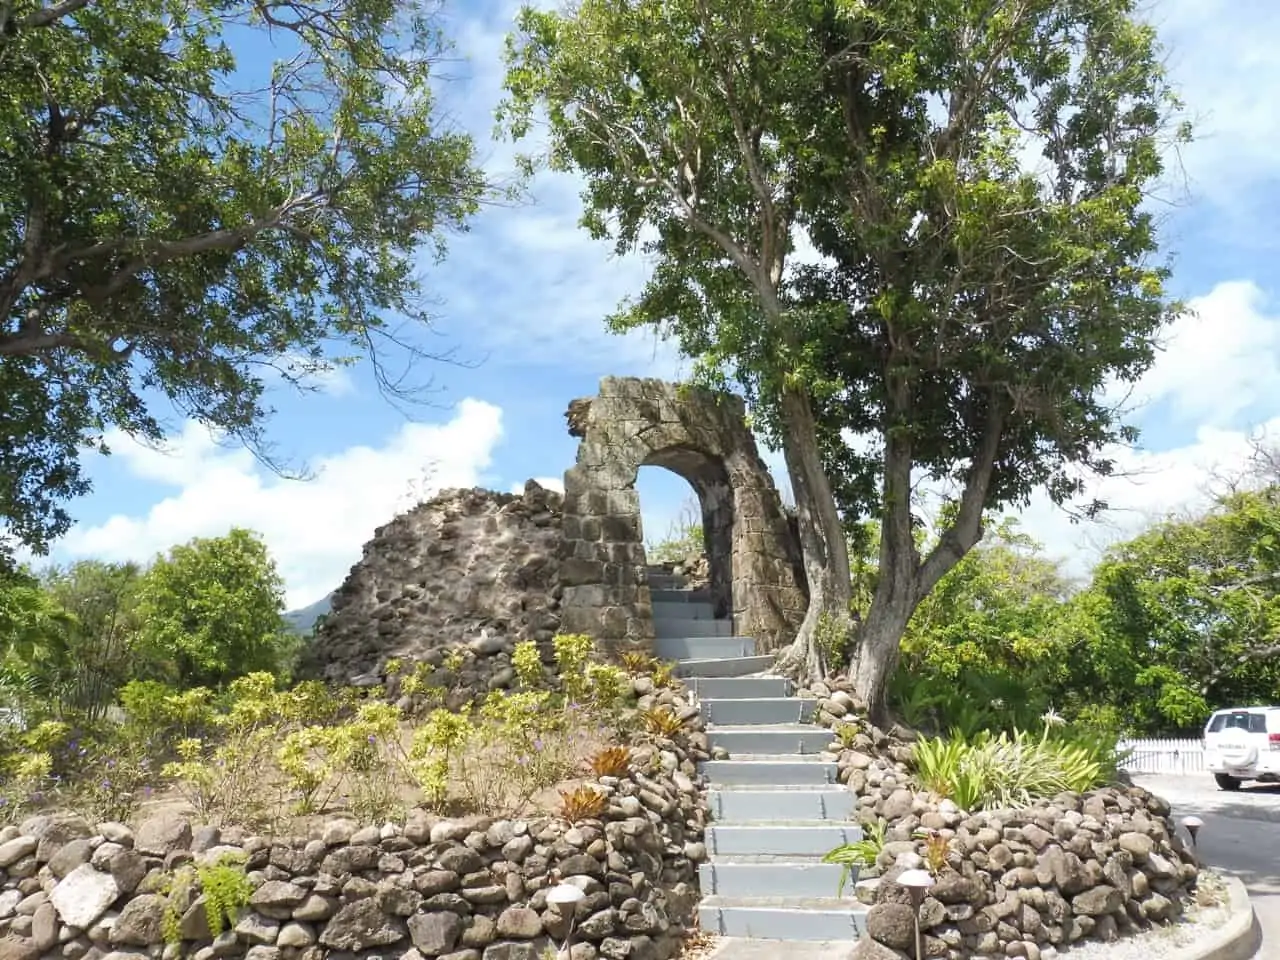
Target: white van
1243,743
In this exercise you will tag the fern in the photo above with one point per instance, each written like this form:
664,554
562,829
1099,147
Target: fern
226,891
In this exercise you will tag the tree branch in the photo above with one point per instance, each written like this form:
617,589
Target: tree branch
48,15
966,530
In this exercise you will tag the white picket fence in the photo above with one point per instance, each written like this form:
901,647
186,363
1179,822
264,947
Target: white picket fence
1164,756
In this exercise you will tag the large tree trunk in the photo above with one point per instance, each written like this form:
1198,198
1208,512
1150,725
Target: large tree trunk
905,579
876,655
822,539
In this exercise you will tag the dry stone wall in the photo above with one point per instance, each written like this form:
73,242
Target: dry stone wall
470,888
1017,882
456,582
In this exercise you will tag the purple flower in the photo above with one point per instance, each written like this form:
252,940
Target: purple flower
106,784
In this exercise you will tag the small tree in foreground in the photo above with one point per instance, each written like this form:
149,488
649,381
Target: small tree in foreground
213,610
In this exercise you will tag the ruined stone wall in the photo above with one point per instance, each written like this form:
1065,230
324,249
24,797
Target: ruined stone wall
468,573
703,437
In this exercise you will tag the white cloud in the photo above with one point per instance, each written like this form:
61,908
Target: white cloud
1219,360
1221,58
1214,383
315,528
1148,486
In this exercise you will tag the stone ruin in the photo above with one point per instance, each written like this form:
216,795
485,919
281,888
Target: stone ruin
702,436
463,577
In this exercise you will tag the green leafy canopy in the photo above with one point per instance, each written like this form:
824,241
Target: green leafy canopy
177,224
966,183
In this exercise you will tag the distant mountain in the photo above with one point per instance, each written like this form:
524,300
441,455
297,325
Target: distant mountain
301,621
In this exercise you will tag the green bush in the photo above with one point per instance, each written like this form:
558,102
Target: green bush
1009,770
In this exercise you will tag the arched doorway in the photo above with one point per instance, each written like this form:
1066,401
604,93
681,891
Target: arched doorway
701,436
707,477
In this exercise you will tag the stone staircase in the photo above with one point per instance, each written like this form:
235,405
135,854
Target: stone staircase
776,807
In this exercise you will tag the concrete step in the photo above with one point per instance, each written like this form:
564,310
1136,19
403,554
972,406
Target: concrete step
784,738
783,919
765,710
661,595
738,948
797,878
703,648
770,771
747,804
683,610
780,839
740,688
689,629
667,581
721,667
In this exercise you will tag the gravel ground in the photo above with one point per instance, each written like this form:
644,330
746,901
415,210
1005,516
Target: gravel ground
1159,942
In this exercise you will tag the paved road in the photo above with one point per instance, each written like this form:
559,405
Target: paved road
1241,836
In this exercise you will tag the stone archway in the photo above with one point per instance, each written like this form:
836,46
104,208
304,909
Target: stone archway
756,577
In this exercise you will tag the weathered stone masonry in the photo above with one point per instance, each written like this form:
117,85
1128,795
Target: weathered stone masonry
703,437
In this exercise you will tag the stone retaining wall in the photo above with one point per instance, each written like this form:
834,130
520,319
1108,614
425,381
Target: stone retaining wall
456,889
1016,882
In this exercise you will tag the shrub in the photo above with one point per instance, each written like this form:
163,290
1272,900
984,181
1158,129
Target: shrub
937,849
611,762
608,687
226,889
846,733
527,662
582,803
636,663
572,651
663,675
860,853
662,721
1009,770
499,757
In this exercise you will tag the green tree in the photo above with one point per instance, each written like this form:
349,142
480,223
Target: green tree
1189,615
684,537
102,649
985,648
33,631
964,313
213,610
176,221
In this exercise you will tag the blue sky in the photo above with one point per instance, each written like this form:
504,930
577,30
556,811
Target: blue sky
522,297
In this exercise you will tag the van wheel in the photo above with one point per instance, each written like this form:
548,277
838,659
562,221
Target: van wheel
1227,783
